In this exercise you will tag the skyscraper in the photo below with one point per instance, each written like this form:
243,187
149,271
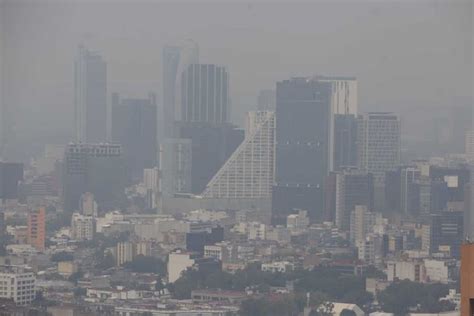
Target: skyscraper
345,141
344,93
379,144
204,94
304,120
10,175
211,146
134,126
37,228
95,168
446,233
353,187
90,97
176,166
248,173
174,60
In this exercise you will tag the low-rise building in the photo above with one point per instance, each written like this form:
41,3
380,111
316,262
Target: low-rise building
278,266
82,227
406,270
17,283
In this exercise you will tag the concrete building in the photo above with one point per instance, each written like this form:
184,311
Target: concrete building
82,227
90,97
152,180
406,270
344,93
17,283
205,94
467,279
67,268
379,143
176,166
278,266
303,155
88,205
248,173
362,223
134,126
298,222
37,228
439,270
123,253
178,262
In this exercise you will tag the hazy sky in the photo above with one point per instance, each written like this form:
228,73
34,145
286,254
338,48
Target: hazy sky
404,53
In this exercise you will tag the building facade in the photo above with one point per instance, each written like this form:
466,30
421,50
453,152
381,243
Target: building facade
353,187
134,126
176,165
248,173
303,146
95,168
82,227
205,94
175,58
90,97
37,228
379,144
17,283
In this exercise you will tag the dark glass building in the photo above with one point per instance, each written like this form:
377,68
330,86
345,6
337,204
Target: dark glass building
211,146
446,231
134,126
90,97
345,141
95,168
11,174
303,147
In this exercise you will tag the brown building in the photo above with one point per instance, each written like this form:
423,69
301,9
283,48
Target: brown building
37,228
467,279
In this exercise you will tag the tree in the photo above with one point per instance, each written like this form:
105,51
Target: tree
347,312
400,297
253,307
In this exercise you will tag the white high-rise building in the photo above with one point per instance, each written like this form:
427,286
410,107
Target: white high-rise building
362,223
88,204
344,94
17,283
175,166
82,227
249,172
152,182
379,141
